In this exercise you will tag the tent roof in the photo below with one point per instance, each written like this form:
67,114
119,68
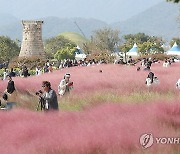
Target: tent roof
79,50
175,48
134,48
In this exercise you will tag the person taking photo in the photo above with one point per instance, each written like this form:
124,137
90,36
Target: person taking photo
65,86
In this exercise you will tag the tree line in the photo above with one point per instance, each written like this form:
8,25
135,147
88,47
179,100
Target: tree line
103,40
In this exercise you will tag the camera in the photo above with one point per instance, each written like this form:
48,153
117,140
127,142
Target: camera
41,103
70,84
39,92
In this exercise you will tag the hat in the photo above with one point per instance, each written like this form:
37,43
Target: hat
67,75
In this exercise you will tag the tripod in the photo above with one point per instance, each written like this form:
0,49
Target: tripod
41,104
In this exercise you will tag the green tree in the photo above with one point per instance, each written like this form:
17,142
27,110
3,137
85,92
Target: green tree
65,53
130,39
89,46
105,56
174,1
8,48
177,40
54,44
105,39
146,44
149,48
138,38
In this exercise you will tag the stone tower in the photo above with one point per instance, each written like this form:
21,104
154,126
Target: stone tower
32,44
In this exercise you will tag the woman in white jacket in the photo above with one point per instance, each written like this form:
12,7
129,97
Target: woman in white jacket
65,86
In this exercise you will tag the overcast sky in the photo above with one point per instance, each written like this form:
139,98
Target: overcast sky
106,10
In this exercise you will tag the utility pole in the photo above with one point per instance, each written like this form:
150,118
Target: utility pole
79,29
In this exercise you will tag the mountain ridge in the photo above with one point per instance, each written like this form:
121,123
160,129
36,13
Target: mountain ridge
105,10
159,20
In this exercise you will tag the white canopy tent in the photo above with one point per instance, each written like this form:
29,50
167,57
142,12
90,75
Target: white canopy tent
80,57
80,54
133,52
175,50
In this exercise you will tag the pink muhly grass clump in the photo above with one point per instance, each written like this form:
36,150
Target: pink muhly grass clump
110,128
169,113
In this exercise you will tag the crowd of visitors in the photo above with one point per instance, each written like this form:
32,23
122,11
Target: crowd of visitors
49,97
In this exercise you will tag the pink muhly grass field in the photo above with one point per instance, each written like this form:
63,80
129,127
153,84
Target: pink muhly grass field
122,79
106,128
110,128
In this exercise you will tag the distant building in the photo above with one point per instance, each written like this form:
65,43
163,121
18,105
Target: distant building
32,44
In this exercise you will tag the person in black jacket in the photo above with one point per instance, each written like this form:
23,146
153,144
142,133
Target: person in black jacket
10,87
12,73
151,76
25,72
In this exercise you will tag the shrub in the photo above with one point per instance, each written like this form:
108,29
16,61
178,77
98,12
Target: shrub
156,56
32,72
2,72
101,55
30,62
